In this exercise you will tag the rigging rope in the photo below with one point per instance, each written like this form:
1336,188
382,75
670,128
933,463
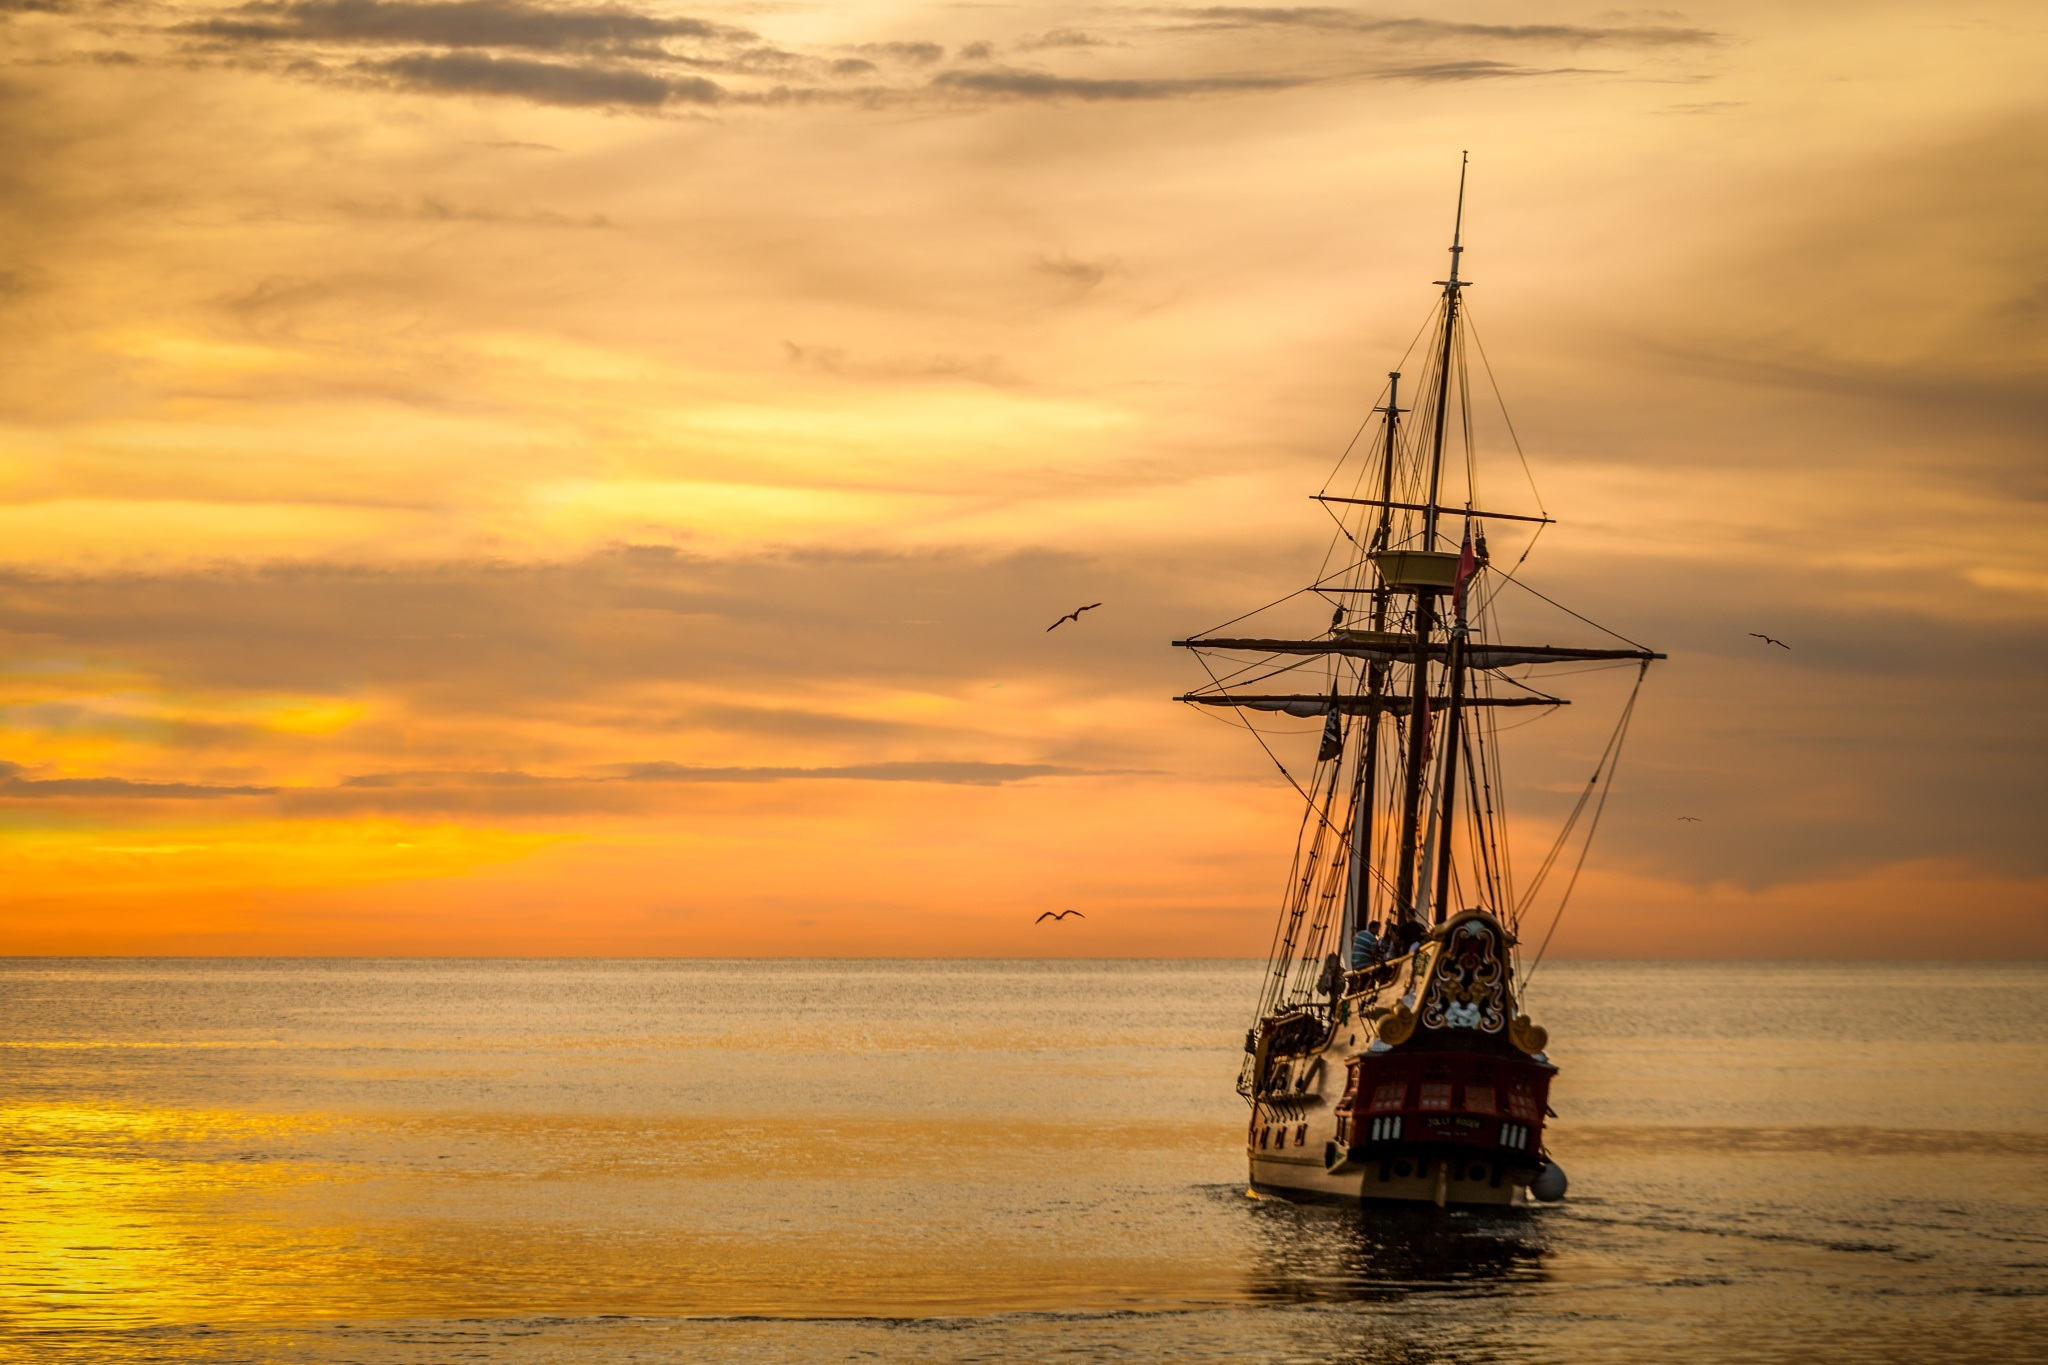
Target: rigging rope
1566,610
1527,473
1610,760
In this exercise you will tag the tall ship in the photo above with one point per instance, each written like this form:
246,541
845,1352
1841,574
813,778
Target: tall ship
1390,1057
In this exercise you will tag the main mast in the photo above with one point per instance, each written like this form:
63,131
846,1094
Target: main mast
1411,905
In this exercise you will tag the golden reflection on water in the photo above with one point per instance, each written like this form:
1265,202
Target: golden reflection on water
125,1217
325,1163
122,1216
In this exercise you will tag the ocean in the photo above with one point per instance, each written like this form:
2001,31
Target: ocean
428,1161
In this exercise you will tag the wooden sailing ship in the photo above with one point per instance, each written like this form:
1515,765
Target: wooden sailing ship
1398,1064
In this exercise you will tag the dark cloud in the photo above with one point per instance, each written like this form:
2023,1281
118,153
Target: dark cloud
430,209
1059,37
853,66
623,788
472,73
580,640
756,60
1848,750
1012,83
1082,274
977,52
1479,71
978,774
917,54
626,789
14,786
458,24
1356,21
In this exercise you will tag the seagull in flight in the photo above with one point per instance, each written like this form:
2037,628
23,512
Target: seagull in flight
1692,818
1769,641
1049,915
1074,615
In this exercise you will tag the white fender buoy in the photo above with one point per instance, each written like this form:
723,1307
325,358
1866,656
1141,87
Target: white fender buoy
1550,1183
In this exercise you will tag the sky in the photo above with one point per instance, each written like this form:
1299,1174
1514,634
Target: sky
501,477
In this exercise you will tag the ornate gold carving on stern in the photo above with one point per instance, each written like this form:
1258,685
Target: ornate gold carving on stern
1470,986
1528,1035
1398,1027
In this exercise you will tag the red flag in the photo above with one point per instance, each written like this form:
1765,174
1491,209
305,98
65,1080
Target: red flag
1425,729
1468,564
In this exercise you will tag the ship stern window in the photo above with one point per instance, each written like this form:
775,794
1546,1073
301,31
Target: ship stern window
1388,1097
1436,1095
1479,1099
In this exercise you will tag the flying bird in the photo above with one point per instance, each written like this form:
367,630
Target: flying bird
1694,819
1769,641
1073,615
1061,915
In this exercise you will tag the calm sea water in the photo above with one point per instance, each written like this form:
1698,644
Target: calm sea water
527,1162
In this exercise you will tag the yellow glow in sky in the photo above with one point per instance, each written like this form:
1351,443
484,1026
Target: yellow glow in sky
529,477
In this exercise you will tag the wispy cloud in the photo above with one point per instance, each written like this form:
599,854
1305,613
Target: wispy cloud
458,24
1014,83
13,785
1477,70
1082,274
1061,38
1428,30
992,370
472,73
915,53
432,209
616,789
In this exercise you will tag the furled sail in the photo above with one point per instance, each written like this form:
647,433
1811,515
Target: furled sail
1296,705
1382,650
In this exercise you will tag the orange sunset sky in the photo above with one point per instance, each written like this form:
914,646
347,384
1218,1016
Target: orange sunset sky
507,477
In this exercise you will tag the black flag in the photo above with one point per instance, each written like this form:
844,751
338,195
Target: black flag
1333,735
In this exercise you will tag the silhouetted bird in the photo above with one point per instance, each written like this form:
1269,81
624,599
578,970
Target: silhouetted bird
1061,915
1694,819
1073,615
1769,641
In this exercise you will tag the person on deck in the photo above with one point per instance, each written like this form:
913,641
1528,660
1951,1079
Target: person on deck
1366,947
1331,982
1405,934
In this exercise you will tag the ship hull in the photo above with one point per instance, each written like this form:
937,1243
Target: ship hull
1445,1181
1419,1084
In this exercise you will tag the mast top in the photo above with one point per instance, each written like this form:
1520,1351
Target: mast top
1458,227
1393,394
